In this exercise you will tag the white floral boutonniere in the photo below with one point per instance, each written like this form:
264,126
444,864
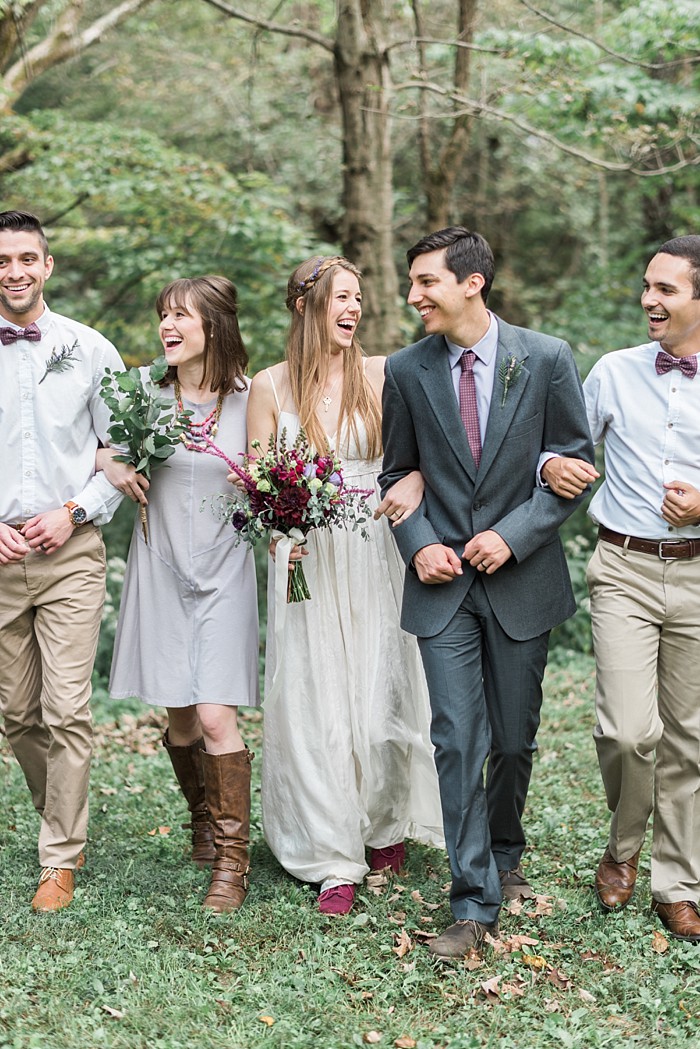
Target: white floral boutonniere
61,360
508,374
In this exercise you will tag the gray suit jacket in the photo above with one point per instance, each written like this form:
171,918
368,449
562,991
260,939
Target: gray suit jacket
422,429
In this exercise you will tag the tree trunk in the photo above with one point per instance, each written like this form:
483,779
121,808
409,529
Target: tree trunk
364,84
440,168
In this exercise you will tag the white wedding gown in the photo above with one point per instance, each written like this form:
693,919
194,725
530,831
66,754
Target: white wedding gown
347,758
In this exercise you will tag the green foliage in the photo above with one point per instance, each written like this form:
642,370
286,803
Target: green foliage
146,425
126,214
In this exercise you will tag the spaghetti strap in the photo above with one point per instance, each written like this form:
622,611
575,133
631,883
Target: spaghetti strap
274,390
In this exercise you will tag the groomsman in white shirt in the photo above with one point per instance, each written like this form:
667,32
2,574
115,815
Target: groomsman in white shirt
52,558
644,581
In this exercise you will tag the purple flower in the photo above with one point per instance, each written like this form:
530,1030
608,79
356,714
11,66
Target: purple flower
335,479
310,470
239,520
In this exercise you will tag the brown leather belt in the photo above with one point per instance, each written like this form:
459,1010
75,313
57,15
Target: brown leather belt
666,549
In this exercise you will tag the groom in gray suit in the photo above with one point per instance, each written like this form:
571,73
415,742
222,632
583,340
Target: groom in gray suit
472,406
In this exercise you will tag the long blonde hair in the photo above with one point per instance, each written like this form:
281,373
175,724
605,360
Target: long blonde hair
308,356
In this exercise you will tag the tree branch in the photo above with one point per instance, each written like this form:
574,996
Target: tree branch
652,66
481,108
63,42
273,27
503,52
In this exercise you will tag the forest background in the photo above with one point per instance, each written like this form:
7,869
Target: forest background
166,138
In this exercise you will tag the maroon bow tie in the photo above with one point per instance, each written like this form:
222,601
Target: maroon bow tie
665,362
31,332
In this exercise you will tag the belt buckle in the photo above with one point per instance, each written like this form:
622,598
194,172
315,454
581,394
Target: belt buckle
669,542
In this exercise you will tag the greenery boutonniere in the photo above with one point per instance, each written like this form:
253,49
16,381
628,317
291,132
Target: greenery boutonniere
508,374
61,360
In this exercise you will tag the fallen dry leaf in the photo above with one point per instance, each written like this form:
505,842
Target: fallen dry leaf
116,1014
267,1020
163,831
517,942
108,790
398,918
551,1005
473,960
534,961
405,1042
491,988
371,1037
586,996
559,979
515,990
404,944
659,943
377,882
415,895
423,934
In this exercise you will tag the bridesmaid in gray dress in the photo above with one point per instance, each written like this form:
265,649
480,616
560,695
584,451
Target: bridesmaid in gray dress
187,636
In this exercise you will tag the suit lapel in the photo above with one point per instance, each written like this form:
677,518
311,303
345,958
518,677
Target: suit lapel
501,415
436,379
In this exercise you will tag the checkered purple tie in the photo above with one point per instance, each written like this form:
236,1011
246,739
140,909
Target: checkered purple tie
467,404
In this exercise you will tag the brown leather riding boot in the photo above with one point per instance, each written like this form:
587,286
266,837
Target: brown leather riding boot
187,765
227,790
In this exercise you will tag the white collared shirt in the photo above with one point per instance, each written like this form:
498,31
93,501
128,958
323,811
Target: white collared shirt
484,370
50,422
651,427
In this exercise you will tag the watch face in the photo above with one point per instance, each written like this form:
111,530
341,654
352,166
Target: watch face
78,515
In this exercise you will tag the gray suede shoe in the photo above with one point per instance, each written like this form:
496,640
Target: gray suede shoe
515,886
457,940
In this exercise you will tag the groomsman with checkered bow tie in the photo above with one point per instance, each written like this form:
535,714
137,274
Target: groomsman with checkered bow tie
644,581
52,558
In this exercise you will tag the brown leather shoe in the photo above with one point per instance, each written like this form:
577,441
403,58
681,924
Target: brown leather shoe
55,889
681,919
457,940
615,880
515,886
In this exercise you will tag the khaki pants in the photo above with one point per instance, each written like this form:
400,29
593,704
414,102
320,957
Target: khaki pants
645,614
50,611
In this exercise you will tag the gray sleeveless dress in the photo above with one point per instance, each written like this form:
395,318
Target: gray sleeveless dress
188,621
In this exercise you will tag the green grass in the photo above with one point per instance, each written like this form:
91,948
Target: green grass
135,962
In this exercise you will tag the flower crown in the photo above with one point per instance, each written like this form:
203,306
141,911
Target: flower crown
321,267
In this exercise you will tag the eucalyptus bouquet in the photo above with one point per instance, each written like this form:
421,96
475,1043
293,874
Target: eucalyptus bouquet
287,491
146,426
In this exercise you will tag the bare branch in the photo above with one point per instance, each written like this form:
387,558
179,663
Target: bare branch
273,27
503,52
469,106
63,42
651,66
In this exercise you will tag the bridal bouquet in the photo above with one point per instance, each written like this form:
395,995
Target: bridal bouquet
146,424
288,490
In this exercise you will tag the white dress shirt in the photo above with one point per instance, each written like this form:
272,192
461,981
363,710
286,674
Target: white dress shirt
651,427
50,422
484,370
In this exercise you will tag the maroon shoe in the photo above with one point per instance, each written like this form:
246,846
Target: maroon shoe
338,900
391,856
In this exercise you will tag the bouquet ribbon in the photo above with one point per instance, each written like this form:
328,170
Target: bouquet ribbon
285,544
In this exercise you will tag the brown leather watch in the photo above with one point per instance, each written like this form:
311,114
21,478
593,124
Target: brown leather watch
78,516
